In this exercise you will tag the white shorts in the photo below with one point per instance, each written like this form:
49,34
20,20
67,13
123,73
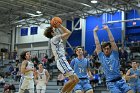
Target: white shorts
64,67
41,86
26,83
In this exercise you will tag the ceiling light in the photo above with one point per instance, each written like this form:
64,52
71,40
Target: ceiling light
34,15
94,1
85,4
39,12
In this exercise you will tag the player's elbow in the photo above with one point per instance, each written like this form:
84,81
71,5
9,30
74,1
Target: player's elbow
68,34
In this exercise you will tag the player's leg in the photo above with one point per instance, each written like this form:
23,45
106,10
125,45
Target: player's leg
38,88
43,89
24,85
113,88
65,68
124,86
87,86
31,86
78,88
138,88
68,87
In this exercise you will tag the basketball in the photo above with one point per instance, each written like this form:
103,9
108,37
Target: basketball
55,21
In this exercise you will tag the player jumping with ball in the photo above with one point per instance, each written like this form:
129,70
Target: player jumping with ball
59,53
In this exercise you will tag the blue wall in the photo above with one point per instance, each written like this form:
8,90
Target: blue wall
133,31
75,37
92,21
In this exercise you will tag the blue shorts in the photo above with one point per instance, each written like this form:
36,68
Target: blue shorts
84,85
135,87
119,86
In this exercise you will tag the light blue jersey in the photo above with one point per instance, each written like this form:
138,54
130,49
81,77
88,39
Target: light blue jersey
136,72
135,82
111,65
80,67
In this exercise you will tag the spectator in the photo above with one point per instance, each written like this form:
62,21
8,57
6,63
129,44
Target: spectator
2,81
60,79
18,76
50,60
138,65
11,68
17,65
9,88
123,55
35,61
95,79
14,73
45,60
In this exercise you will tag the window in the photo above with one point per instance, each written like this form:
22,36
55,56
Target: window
34,30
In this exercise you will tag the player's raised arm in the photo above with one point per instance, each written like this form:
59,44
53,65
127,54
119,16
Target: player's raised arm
66,32
96,39
111,38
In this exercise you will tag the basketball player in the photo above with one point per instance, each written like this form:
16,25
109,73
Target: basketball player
27,69
41,78
81,67
59,53
109,58
133,74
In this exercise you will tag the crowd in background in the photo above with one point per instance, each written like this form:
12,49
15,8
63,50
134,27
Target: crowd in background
125,56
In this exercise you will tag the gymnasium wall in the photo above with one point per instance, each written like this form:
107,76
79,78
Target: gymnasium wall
75,38
39,37
36,43
5,40
93,21
133,27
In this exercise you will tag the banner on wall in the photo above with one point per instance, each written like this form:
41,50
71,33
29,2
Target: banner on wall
34,30
24,31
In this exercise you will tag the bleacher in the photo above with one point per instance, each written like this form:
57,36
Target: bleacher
52,86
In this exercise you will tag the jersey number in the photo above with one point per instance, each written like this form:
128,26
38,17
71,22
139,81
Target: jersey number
81,70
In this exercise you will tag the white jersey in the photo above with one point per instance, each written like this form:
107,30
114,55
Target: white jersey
42,76
57,47
30,73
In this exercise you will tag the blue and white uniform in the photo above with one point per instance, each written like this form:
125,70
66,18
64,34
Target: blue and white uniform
80,68
111,68
59,53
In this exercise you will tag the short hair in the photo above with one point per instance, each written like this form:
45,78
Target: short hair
40,63
48,31
105,44
78,47
23,54
133,61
